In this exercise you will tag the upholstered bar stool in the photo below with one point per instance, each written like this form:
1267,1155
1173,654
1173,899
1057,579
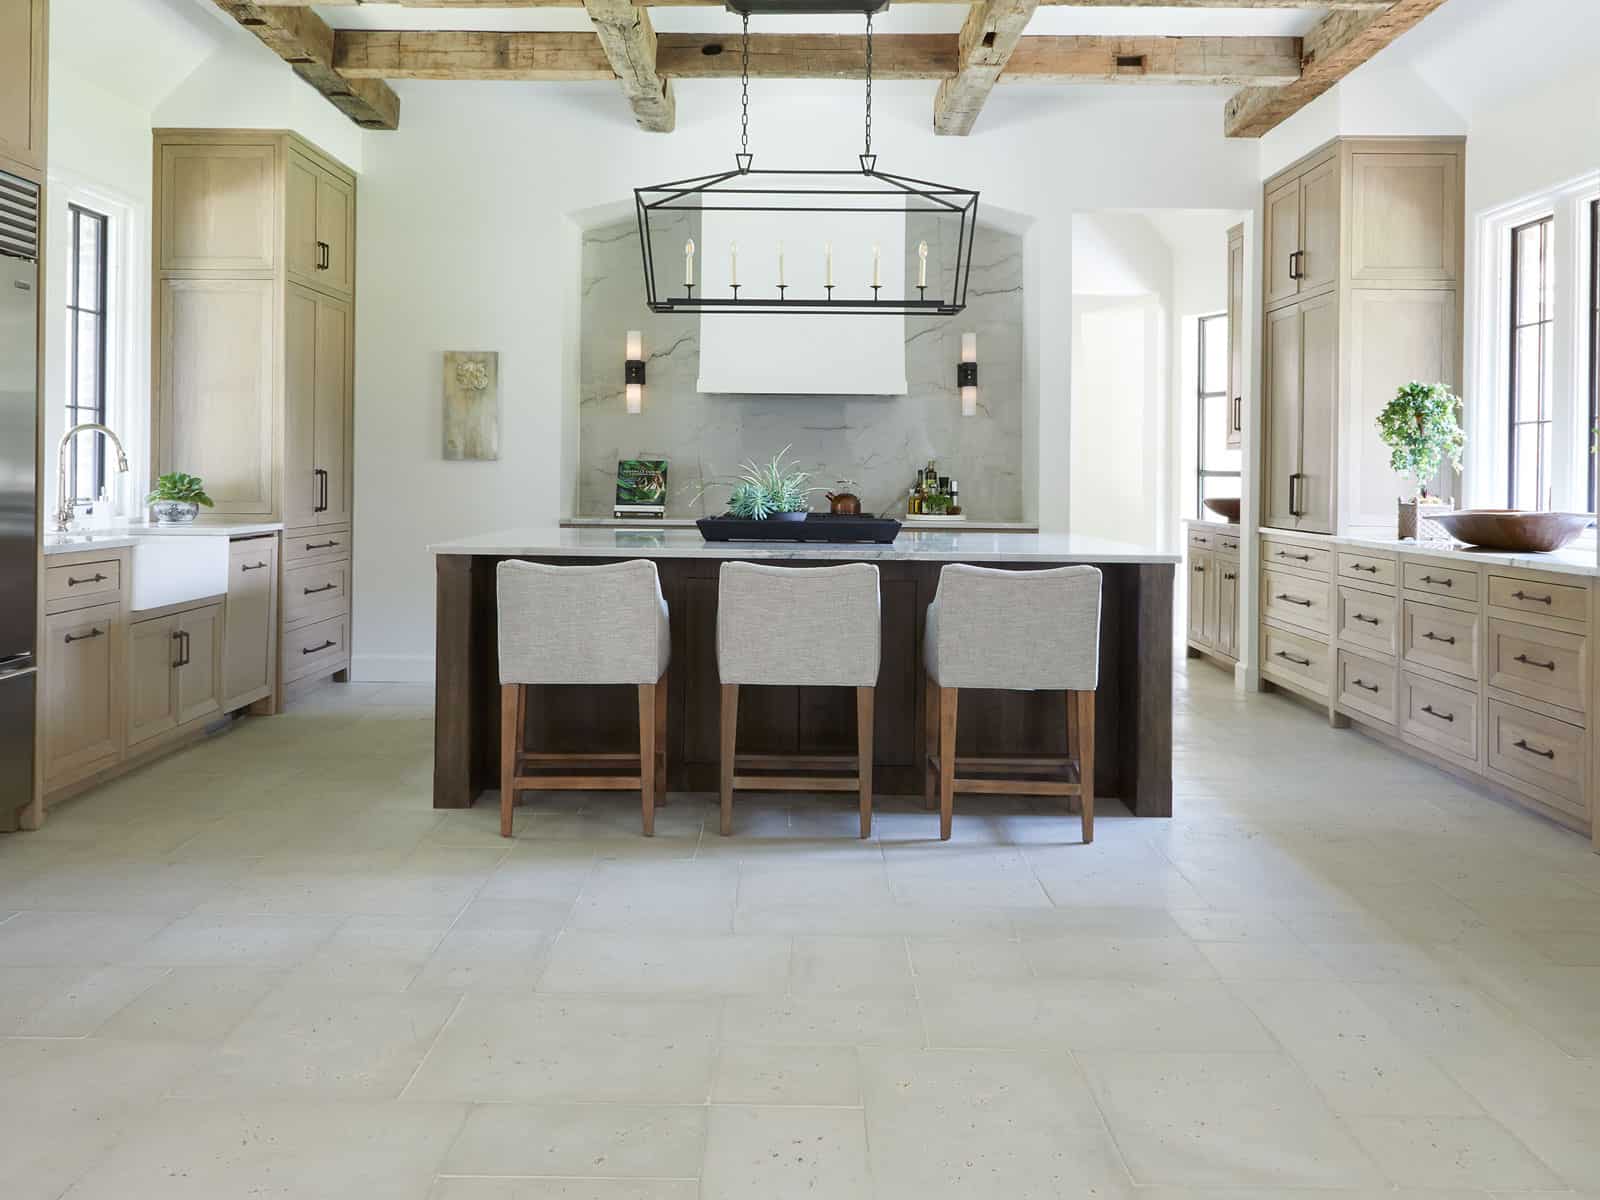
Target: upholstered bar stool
582,625
798,627
1019,631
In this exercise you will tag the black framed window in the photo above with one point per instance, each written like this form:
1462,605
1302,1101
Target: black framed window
1532,363
1218,467
1594,354
86,347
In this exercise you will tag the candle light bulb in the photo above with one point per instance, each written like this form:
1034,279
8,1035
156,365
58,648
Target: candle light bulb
827,254
877,256
780,264
688,263
922,264
733,264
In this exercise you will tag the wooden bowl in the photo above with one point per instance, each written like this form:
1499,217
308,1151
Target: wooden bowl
1228,510
1512,530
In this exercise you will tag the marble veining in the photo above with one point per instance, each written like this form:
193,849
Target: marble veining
877,441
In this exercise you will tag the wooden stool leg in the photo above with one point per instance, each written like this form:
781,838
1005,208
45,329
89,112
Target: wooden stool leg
930,721
947,760
647,756
730,738
510,745
864,698
1086,762
661,739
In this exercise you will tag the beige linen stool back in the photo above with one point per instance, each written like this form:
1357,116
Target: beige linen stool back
582,625
1022,631
805,627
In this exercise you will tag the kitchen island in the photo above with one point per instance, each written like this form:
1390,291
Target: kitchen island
1133,736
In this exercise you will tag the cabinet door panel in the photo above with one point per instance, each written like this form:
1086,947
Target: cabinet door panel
1283,240
1228,607
153,652
300,220
1319,229
336,232
1201,563
301,486
1406,226
216,389
82,712
332,436
217,208
1281,413
1319,413
1235,342
23,29
249,646
200,676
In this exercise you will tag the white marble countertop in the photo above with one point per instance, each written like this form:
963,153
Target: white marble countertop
906,522
1211,523
1574,560
924,545
121,536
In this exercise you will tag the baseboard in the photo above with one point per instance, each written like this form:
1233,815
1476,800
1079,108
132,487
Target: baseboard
391,668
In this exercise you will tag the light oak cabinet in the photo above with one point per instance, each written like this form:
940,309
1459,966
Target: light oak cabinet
1213,616
218,207
174,671
317,409
320,226
250,642
1361,279
1236,311
24,87
81,703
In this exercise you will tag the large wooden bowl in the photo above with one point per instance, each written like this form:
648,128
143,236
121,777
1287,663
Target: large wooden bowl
1228,510
1512,530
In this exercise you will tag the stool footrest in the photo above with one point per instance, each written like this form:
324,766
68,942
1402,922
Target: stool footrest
795,783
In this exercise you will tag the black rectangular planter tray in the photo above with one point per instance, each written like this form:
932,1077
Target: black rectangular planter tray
817,527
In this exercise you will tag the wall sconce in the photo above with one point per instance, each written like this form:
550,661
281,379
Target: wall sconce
633,372
967,374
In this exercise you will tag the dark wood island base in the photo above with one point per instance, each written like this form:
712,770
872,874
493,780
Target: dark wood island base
1133,733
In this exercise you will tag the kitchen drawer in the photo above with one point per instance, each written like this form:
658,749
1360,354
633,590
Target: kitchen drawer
1543,664
1202,539
1367,568
79,584
1441,580
319,545
315,591
1544,756
1368,686
1439,717
316,649
1299,659
1370,620
1445,639
1296,600
1297,556
1540,597
1228,544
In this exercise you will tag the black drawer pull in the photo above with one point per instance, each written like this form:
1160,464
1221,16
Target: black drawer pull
1447,581
1365,686
1199,570
1534,662
252,566
314,649
1364,567
1294,600
95,578
1230,576
1535,599
327,587
84,637
321,545
1434,637
1299,662
1295,557
1521,744
1428,708
1366,620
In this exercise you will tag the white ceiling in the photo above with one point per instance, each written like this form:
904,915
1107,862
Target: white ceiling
138,50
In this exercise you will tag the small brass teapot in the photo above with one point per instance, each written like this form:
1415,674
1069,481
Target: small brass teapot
844,503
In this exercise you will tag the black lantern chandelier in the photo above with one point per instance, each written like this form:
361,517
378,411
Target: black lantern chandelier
927,218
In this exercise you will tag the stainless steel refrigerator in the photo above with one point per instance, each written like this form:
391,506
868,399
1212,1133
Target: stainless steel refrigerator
19,545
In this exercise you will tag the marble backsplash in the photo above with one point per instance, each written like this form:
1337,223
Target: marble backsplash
877,441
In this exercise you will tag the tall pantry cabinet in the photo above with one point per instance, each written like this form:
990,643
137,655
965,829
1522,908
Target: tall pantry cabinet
254,358
1362,267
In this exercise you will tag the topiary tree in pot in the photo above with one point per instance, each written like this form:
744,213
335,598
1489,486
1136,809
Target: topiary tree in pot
1421,427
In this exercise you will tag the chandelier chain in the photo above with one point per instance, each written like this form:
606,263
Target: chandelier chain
868,151
744,89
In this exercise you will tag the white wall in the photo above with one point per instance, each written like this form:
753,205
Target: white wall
468,239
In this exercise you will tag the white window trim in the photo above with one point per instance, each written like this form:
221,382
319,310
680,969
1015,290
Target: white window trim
1488,467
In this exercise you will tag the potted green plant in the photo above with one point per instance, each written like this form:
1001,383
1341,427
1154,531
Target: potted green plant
771,491
176,498
1422,428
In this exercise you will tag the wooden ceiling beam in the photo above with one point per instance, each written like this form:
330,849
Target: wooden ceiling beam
988,36
303,40
1336,46
362,54
629,40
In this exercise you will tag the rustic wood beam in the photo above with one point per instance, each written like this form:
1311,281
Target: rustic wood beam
303,40
363,54
629,40
1337,45
988,36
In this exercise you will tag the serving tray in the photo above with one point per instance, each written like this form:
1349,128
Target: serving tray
817,527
